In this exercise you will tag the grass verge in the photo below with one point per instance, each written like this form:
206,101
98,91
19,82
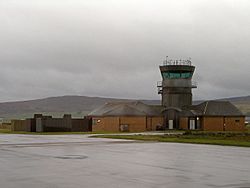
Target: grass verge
224,139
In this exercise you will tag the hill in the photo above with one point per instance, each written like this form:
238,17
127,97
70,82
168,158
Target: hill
79,106
76,105
243,103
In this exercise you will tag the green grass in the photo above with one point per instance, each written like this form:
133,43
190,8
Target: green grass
225,139
248,127
194,137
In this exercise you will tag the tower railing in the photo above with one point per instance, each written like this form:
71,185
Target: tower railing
187,62
159,85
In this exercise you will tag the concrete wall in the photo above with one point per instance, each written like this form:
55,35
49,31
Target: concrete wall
49,124
55,124
20,125
81,125
66,124
5,126
176,97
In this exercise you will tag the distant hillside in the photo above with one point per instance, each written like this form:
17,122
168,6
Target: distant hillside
245,99
57,106
79,106
243,103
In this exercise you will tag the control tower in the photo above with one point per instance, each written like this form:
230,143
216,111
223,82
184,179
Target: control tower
176,85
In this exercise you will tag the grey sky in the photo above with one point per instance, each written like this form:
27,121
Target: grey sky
113,48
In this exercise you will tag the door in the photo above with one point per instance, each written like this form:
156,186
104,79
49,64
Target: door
192,124
170,124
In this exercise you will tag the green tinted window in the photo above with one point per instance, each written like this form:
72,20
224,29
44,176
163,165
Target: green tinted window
186,75
176,75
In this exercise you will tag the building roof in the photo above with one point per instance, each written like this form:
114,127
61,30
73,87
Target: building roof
215,108
136,108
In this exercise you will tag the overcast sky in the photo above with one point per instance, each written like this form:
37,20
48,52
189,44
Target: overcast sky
113,48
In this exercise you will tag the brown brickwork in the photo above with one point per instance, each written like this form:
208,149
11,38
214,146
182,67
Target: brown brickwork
135,124
149,124
212,123
184,123
156,121
235,124
105,124
223,123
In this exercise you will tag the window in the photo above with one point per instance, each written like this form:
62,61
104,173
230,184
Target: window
186,75
176,75
95,121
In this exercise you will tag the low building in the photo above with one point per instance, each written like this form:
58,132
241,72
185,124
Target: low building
137,116
126,116
212,116
42,123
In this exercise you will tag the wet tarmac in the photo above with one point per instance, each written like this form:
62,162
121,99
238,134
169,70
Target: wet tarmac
72,161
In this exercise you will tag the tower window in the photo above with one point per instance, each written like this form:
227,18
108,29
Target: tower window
176,75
